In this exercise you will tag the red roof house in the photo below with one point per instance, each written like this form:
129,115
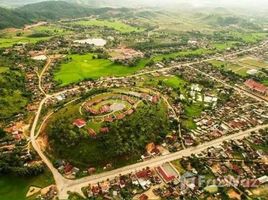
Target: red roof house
143,197
79,123
255,86
104,130
167,178
91,132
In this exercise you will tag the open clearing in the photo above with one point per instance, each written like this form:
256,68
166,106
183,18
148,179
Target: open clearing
84,66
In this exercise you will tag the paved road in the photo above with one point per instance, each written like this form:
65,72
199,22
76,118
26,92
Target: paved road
76,185
42,73
64,185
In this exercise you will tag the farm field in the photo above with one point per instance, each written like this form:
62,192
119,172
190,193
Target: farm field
7,42
116,25
241,66
84,66
249,37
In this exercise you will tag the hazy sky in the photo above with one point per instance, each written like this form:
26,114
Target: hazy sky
159,3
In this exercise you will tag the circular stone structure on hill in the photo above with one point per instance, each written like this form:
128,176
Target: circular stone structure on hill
117,106
89,131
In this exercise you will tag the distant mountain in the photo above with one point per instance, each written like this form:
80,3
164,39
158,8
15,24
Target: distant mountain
54,10
12,18
229,20
49,10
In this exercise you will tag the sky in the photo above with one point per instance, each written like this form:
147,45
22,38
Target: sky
159,3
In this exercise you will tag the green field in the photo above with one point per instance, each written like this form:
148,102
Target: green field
116,25
84,66
250,37
7,42
174,82
50,30
15,188
192,111
12,104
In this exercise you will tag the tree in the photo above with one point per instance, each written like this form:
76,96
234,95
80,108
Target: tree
2,133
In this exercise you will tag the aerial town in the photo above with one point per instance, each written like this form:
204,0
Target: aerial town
118,103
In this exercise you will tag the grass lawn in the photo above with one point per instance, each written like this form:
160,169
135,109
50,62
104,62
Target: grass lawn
15,188
117,25
84,66
12,104
192,111
174,82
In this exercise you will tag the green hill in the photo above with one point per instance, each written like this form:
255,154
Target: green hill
49,10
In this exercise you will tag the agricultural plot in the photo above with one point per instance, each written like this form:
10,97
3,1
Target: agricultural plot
84,66
7,42
32,35
241,66
116,25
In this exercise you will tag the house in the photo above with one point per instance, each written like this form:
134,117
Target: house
144,178
256,87
68,168
79,123
120,116
129,112
155,99
167,173
108,119
91,132
143,197
104,130
152,149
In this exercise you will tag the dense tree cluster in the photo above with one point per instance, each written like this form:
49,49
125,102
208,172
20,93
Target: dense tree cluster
126,138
